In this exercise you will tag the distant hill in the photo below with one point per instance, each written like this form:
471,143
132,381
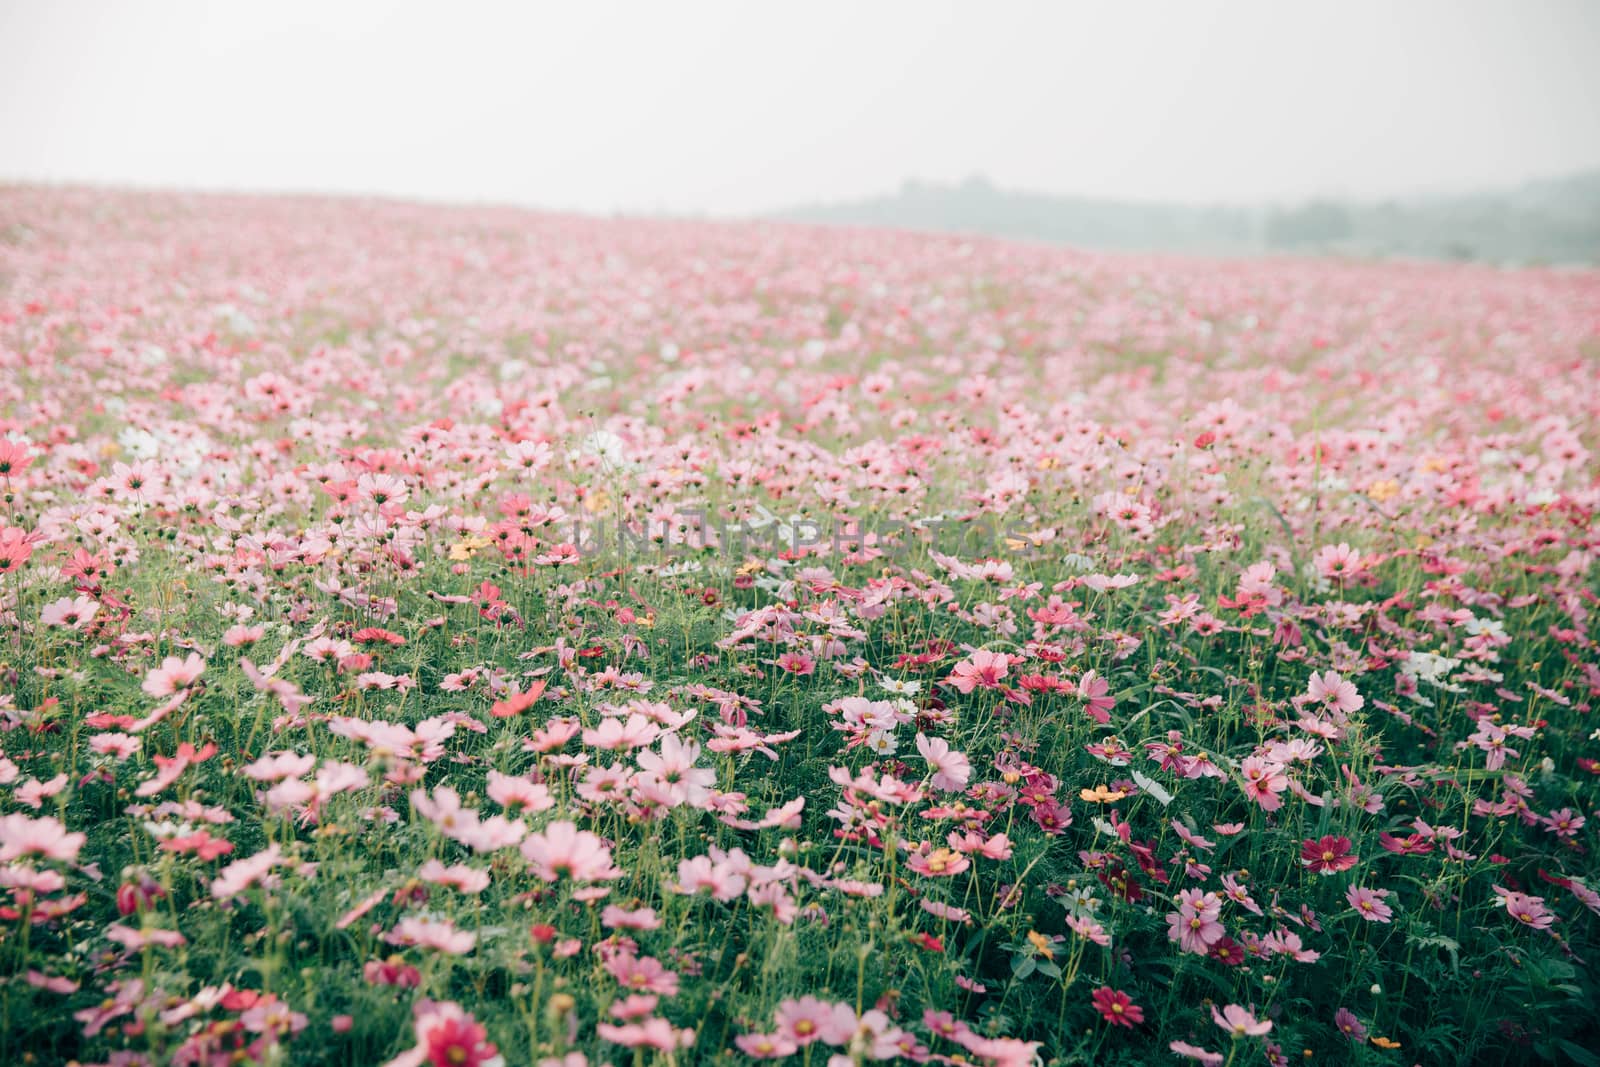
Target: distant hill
1548,221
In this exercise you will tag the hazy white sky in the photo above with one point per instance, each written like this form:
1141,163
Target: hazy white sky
729,108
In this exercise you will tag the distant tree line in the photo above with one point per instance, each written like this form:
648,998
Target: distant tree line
1551,221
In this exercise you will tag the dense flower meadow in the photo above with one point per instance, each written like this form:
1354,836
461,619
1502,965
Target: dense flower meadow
463,637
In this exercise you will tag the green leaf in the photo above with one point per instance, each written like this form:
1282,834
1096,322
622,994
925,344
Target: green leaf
1578,1054
1450,945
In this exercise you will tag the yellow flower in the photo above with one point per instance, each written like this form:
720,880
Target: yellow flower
1383,490
596,500
468,547
1101,795
1384,1042
1042,944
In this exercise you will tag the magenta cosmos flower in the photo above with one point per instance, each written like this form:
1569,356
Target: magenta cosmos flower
448,1037
1327,855
1116,1007
1350,1026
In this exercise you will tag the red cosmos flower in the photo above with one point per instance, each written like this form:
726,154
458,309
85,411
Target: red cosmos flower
376,634
1226,950
131,896
518,702
457,1041
201,843
240,1000
1327,855
1410,845
1116,1007
392,971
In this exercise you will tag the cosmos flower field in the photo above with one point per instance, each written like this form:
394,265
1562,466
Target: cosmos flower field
464,636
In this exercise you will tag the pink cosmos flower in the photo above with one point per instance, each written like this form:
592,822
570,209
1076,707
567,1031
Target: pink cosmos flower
724,880
1563,823
1264,780
272,1016
1288,943
173,674
240,875
34,793
947,912
797,663
51,983
71,612
983,669
809,1019
1334,693
519,794
766,1046
674,773
648,1033
1195,926
1089,930
170,768
634,1006
1095,692
1194,1052
622,919
279,765
1369,904
23,836
134,940
1490,737
951,769
1337,561
15,457
460,876
240,635
1002,1051
642,974
439,934
937,862
16,548
561,848
1526,909
1239,1022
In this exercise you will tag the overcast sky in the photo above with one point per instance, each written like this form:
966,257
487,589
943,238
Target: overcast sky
729,108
